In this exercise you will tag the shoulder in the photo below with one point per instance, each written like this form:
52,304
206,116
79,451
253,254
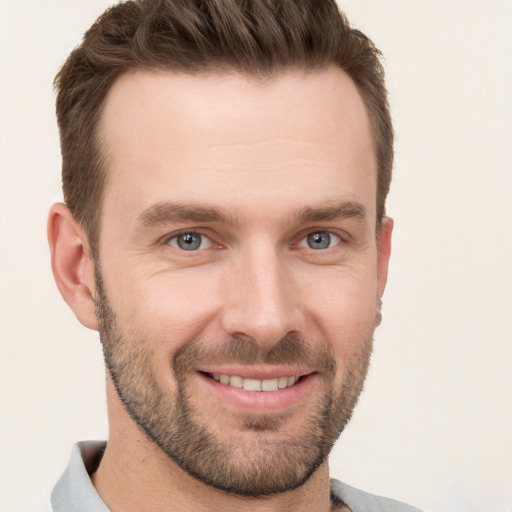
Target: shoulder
361,501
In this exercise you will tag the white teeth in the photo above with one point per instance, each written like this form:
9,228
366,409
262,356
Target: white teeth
292,380
252,385
269,385
255,384
283,382
238,382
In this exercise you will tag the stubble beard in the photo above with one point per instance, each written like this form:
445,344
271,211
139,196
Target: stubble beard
255,463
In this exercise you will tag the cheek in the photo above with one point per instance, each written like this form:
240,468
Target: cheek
344,307
171,308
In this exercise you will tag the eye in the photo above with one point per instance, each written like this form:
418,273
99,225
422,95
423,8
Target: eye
320,240
190,241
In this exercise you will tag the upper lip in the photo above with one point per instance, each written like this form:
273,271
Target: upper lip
257,372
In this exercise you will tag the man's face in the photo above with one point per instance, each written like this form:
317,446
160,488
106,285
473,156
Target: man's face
238,270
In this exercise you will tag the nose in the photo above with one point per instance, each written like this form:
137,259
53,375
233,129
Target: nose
260,304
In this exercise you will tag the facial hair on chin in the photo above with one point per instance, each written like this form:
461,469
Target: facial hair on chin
252,464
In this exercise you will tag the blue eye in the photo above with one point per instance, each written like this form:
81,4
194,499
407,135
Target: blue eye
320,240
190,241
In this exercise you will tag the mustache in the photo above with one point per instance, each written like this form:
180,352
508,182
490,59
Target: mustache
291,349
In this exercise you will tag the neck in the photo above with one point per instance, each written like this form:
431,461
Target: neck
136,476
141,478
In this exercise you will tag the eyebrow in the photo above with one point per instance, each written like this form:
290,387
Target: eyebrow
333,211
167,212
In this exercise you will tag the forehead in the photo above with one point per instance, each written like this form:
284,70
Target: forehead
321,105
164,132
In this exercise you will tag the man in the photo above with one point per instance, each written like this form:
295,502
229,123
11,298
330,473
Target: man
225,169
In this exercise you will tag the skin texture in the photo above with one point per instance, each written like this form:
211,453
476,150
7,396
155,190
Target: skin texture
254,167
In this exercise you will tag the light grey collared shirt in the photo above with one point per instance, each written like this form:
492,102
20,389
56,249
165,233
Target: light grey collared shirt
74,491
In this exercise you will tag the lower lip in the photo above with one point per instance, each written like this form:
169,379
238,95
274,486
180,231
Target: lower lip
259,402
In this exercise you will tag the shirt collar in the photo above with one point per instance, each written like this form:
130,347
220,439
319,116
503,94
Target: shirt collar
74,491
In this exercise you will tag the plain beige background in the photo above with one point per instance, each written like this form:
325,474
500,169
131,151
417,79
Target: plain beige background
434,425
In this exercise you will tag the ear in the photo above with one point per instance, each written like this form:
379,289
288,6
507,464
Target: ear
72,264
384,251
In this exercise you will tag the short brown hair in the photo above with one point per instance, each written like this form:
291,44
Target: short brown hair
255,37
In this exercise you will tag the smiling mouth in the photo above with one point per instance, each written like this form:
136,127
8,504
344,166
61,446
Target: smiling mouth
255,384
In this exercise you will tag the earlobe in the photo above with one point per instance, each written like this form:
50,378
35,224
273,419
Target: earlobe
384,252
72,264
